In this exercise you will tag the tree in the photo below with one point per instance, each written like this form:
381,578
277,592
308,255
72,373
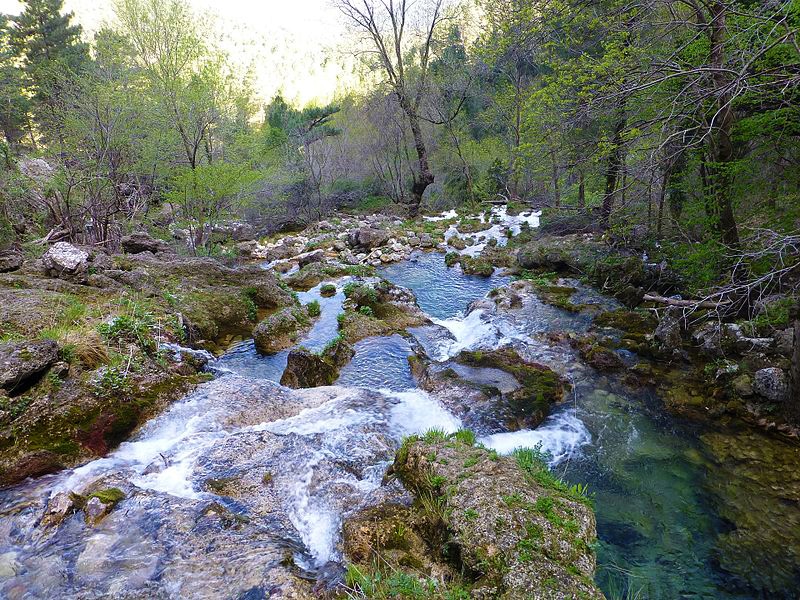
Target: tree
47,46
14,104
403,52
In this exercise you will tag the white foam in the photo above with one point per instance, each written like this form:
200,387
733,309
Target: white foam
561,435
317,525
450,214
418,412
472,331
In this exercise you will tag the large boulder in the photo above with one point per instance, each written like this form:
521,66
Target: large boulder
65,261
368,237
772,383
141,241
22,361
305,369
10,260
493,527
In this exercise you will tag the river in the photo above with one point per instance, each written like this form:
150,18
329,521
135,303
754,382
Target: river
241,474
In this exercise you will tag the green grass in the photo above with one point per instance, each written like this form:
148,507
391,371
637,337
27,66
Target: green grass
533,463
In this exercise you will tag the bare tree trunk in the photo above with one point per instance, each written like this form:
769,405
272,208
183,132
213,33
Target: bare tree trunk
722,144
556,190
612,174
581,190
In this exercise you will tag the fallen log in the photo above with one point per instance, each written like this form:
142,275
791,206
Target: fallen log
685,303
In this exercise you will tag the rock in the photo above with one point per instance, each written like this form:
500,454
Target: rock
10,261
743,385
772,383
59,507
304,369
100,503
65,261
507,535
280,330
668,333
247,249
368,237
141,241
21,361
426,240
312,257
457,243
601,358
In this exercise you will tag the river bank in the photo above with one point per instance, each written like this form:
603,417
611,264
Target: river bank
680,502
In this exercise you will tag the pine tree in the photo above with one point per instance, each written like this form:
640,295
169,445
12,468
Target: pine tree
14,104
49,48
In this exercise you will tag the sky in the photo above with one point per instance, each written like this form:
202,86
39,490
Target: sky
293,46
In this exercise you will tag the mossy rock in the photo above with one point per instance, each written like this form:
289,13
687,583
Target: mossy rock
282,329
634,322
511,531
541,387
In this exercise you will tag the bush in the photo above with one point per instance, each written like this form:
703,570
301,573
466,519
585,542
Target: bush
314,309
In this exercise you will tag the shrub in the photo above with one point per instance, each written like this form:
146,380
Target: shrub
314,309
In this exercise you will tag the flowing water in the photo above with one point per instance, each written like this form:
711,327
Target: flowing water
242,473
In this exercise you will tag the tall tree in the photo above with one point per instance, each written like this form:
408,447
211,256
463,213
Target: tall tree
390,32
49,49
14,104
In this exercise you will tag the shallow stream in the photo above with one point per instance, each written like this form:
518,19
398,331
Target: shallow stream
242,473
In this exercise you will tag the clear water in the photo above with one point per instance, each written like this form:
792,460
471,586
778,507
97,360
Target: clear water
683,511
663,498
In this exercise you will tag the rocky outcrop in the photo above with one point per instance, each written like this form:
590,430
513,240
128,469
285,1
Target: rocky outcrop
772,384
141,241
481,526
368,238
281,330
20,362
306,369
10,260
492,390
65,261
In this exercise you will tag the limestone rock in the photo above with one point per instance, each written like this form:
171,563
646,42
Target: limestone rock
10,261
59,507
772,383
20,361
141,241
65,261
280,330
668,333
368,237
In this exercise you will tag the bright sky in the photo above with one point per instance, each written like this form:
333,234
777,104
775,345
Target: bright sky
292,45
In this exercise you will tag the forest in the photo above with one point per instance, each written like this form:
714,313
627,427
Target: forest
670,122
513,312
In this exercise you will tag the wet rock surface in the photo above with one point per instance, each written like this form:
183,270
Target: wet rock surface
479,523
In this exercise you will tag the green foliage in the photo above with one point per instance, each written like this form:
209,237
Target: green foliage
533,463
314,309
327,290
113,382
394,585
366,311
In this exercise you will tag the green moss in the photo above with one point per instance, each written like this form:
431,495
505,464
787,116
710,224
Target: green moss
636,322
111,496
